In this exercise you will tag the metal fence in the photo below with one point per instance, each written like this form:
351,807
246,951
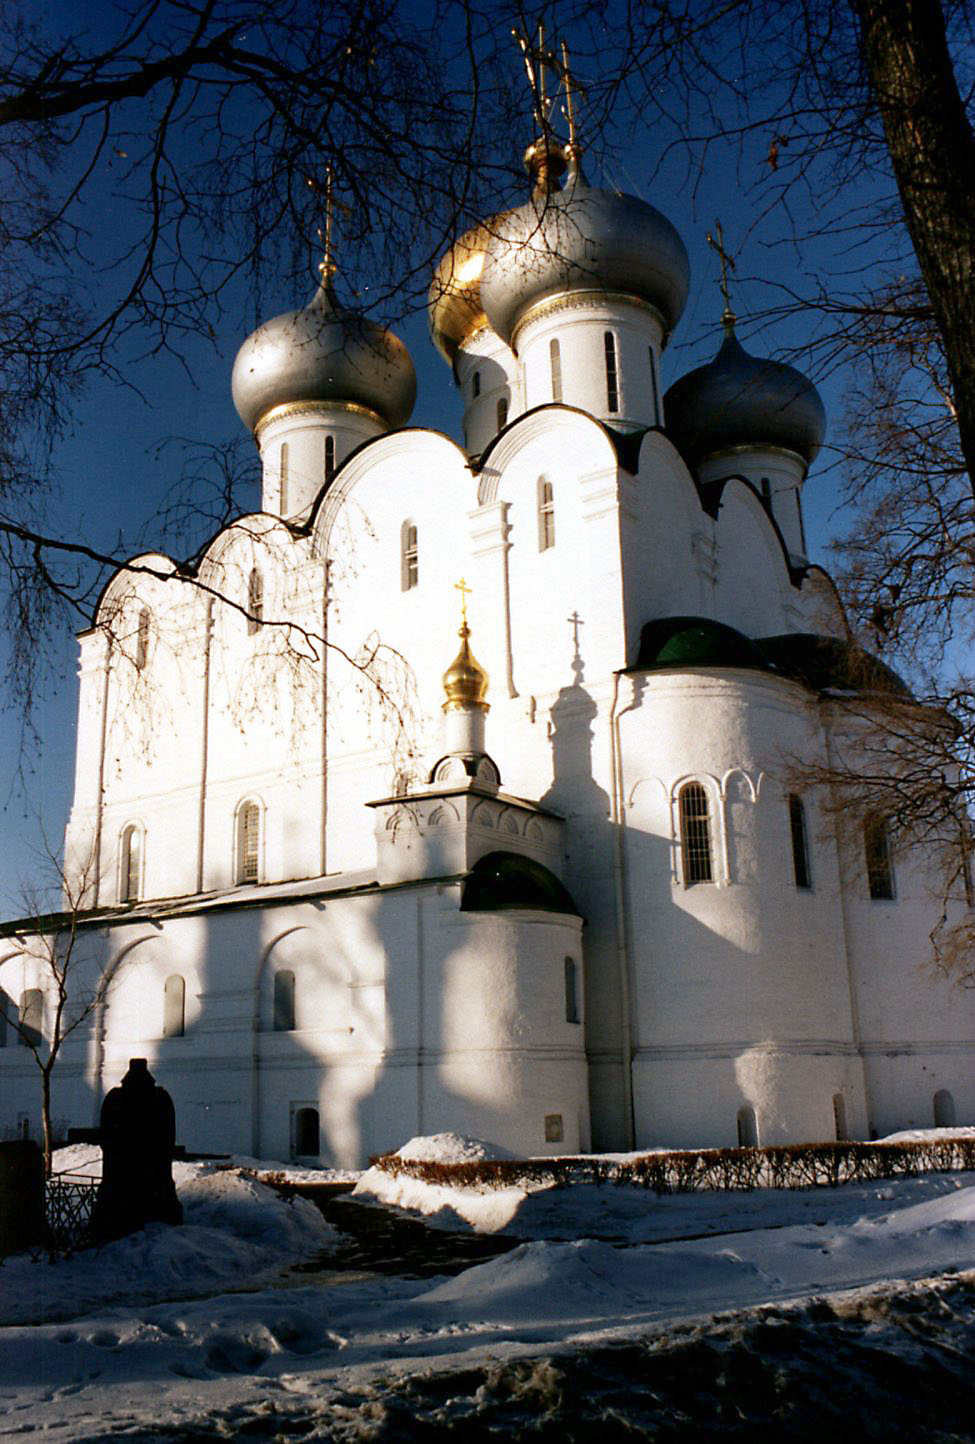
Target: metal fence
69,1200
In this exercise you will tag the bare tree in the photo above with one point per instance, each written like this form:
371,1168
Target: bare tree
61,998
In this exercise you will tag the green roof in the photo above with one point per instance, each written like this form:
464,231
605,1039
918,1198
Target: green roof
696,642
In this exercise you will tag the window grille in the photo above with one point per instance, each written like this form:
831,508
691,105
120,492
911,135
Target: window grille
410,557
555,361
131,861
329,459
800,842
174,1007
546,515
695,834
284,1001
880,866
255,601
612,376
248,843
283,480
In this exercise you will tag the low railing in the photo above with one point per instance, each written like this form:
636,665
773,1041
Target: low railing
68,1202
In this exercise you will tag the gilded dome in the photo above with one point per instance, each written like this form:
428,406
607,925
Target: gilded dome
740,400
454,303
465,681
323,353
582,239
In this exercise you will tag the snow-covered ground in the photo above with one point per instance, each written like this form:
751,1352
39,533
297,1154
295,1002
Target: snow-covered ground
202,1331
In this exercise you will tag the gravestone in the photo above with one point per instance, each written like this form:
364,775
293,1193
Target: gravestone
21,1196
137,1134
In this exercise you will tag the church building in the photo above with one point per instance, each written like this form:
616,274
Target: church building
468,786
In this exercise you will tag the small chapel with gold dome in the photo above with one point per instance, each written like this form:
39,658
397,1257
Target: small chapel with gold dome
562,883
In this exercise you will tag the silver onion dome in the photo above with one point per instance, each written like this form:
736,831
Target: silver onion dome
582,239
739,400
323,353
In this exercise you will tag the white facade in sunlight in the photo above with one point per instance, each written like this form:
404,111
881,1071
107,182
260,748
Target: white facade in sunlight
578,892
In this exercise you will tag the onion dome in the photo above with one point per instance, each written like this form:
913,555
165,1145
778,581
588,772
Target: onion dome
454,302
580,239
323,354
465,681
738,400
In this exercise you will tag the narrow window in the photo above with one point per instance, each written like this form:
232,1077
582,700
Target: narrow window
307,1143
174,1007
546,515
555,361
476,385
255,601
31,1020
966,869
502,413
283,480
284,1001
839,1117
142,639
4,1004
880,867
802,524
800,842
409,557
571,992
612,378
747,1128
654,385
944,1109
248,842
766,486
329,459
130,864
695,834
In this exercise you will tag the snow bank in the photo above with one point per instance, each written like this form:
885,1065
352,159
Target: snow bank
236,1231
450,1148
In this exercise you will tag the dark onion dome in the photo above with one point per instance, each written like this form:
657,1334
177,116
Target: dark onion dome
503,880
831,664
675,642
738,400
580,239
454,303
323,353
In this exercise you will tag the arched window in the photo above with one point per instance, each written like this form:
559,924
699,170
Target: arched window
476,385
283,480
839,1117
255,600
654,385
880,866
944,1109
142,639
571,991
130,863
612,374
307,1143
31,1019
284,1001
329,459
555,362
174,1007
546,515
747,1128
248,842
409,557
695,834
502,413
800,842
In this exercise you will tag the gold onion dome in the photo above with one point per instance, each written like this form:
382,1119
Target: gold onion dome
454,302
324,353
465,681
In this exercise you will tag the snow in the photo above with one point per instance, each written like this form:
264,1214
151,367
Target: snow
205,1328
450,1148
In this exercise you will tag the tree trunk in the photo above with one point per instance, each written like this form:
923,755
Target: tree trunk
46,1119
932,151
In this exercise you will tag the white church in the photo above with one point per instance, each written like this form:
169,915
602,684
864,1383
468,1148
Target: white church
556,882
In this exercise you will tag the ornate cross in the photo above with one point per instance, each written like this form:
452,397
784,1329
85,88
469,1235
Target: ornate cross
727,259
465,592
327,265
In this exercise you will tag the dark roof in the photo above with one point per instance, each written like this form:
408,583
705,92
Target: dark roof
696,642
831,664
500,881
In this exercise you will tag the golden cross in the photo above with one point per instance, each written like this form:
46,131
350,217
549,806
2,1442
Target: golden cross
537,82
726,260
465,592
327,265
570,110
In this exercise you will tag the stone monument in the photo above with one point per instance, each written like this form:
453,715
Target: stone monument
138,1133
